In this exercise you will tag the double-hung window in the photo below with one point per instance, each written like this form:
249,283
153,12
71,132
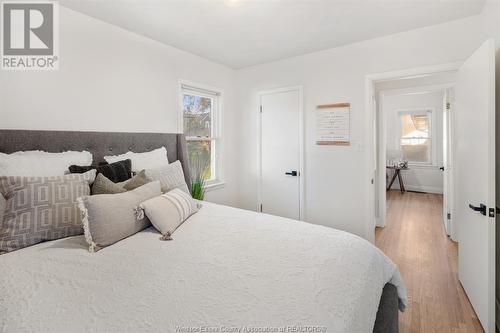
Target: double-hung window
416,136
200,112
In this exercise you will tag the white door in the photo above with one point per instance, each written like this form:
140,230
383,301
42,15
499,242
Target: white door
280,123
475,180
446,168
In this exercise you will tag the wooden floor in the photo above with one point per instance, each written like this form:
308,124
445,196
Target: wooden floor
414,238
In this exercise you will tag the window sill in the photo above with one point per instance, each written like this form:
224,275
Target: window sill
215,185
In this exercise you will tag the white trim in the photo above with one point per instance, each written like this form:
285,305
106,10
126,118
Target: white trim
415,72
214,185
300,90
217,137
370,152
425,89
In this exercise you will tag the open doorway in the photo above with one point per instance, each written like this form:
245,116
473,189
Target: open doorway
414,188
460,273
413,134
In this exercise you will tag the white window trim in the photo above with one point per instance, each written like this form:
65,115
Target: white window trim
432,118
207,91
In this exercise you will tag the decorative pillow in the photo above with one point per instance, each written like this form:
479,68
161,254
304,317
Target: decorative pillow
168,211
103,185
170,177
109,218
41,164
137,181
116,172
39,209
149,160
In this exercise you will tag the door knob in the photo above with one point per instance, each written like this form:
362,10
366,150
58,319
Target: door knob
441,168
481,208
291,173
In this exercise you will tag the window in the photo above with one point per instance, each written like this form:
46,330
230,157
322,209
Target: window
200,109
416,138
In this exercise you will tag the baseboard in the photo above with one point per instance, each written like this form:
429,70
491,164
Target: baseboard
420,188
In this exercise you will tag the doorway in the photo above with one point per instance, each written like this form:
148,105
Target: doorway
413,126
281,167
473,205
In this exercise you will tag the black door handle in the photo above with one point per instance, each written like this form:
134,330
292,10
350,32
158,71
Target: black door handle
291,173
481,208
441,168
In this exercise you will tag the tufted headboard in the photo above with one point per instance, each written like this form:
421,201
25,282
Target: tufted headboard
99,144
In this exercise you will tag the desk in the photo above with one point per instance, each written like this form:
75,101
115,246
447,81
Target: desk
397,173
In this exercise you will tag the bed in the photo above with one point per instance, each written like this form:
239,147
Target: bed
227,269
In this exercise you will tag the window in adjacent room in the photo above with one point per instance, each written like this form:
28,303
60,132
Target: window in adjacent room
416,136
200,111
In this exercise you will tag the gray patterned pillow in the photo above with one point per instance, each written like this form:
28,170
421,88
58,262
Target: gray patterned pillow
39,209
170,177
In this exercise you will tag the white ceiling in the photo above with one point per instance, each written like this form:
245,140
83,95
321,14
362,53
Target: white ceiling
249,32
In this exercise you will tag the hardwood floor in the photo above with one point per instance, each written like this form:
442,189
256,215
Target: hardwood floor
414,238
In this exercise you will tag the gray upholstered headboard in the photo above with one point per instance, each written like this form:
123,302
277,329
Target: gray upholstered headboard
99,144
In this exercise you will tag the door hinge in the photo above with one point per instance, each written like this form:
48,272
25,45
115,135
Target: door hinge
261,109
261,208
448,216
492,212
448,105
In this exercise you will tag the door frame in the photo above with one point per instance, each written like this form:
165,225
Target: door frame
448,188
300,90
371,155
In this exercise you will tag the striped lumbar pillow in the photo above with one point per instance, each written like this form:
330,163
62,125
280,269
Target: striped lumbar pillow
168,211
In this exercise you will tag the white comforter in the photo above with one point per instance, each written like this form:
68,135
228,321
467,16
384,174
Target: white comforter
226,270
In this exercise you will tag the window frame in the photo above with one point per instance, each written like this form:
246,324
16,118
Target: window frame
431,112
216,94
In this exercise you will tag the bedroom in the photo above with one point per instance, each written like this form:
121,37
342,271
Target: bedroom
122,67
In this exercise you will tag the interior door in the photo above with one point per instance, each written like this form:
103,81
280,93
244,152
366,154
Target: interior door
475,180
280,153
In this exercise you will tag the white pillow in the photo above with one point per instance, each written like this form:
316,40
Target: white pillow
38,163
149,160
168,211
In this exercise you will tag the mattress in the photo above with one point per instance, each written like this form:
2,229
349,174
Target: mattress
226,270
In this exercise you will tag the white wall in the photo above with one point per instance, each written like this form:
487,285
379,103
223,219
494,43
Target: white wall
417,178
336,180
114,80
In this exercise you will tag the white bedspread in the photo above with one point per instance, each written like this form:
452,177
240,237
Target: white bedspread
226,269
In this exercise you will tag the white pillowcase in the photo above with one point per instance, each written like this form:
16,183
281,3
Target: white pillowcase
149,160
36,163
168,211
